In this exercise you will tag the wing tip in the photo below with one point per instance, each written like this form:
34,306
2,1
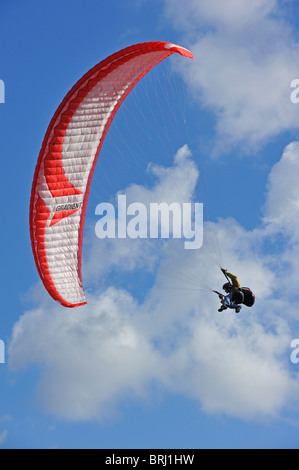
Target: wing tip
181,50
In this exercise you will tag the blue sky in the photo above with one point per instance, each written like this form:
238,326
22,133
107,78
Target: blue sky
148,363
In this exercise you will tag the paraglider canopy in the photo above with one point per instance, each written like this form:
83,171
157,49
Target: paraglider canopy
67,160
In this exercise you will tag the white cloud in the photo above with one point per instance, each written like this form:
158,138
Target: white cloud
3,436
92,357
245,60
232,14
236,373
281,215
172,184
115,348
282,207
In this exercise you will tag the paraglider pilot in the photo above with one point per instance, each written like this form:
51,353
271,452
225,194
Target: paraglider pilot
234,295
232,290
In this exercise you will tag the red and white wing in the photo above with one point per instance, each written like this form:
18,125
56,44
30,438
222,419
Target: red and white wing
67,159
